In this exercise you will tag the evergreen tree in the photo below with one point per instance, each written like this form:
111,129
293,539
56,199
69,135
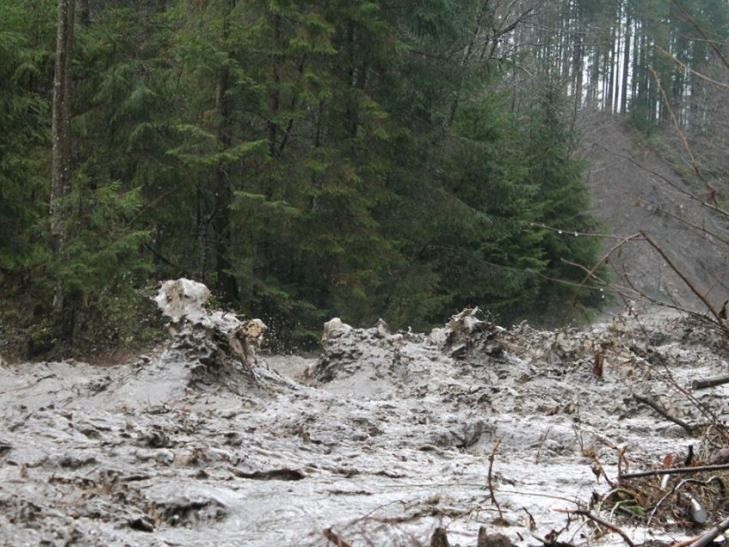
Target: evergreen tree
562,198
305,159
26,46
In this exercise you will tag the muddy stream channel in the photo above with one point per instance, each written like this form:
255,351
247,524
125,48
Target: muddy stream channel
382,439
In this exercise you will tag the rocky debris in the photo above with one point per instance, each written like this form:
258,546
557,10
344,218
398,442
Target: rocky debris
376,359
183,511
374,363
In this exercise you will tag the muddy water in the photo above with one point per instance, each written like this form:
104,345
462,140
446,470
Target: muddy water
382,439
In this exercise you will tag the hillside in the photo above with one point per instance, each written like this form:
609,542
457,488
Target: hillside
635,189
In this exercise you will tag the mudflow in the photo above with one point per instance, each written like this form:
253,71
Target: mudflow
381,440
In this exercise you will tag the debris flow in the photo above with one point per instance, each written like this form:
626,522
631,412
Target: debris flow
469,435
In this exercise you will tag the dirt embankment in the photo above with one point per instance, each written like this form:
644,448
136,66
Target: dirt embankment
383,439
636,189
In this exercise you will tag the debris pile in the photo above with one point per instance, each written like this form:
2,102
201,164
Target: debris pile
220,348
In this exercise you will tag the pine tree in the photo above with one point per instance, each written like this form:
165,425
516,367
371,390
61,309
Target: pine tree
562,197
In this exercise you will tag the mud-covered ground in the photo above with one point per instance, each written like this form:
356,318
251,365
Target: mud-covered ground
379,441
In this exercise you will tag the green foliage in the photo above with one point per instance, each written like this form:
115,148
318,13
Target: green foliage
24,123
304,159
562,198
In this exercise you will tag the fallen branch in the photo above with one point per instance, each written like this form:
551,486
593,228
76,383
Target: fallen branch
490,478
675,471
708,537
601,522
710,382
335,539
663,412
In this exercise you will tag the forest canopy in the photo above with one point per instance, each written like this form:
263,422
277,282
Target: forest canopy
306,159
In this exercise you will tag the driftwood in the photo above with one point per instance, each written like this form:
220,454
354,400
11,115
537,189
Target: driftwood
705,539
675,471
605,524
710,382
663,412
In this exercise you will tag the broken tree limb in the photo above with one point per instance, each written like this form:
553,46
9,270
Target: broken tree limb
708,537
601,522
689,284
710,382
335,539
497,444
675,471
663,412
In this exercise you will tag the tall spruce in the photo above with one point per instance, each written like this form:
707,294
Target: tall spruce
61,174
305,159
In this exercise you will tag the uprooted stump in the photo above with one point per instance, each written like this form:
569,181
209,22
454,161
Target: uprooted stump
220,346
465,333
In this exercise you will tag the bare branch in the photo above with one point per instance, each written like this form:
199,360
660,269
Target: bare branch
662,411
492,457
601,522
686,280
702,32
675,471
692,159
687,68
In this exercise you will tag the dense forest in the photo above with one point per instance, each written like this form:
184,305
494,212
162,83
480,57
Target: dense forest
312,158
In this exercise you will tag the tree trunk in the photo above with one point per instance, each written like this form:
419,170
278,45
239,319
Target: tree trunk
225,280
61,146
626,63
614,45
274,94
84,13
